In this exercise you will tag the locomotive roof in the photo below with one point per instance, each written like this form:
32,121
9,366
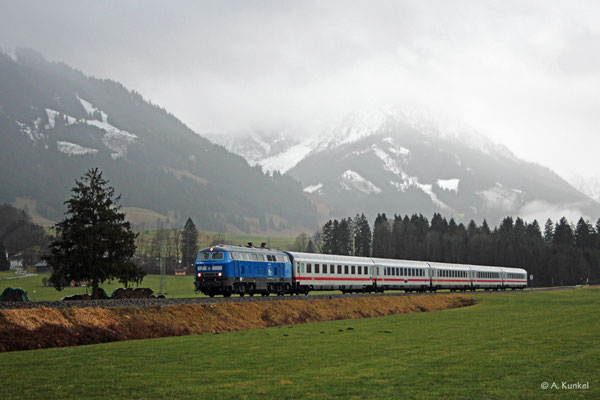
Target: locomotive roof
230,247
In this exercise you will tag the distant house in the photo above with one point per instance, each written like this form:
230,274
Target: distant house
40,267
16,261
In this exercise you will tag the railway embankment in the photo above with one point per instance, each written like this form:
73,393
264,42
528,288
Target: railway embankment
42,327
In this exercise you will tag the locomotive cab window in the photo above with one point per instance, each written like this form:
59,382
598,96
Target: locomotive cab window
217,255
204,256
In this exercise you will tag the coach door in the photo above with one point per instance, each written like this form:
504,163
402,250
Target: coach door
375,275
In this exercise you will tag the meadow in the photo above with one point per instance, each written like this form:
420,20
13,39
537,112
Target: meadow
177,286
504,347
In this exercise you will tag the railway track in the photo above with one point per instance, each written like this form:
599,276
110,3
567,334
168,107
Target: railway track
215,300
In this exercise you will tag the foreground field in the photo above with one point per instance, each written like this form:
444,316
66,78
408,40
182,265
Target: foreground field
503,347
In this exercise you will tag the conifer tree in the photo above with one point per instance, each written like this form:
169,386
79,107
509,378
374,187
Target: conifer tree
189,244
382,237
345,237
310,246
362,237
549,231
93,242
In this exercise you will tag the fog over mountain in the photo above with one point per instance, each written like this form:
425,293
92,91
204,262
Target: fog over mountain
277,81
525,73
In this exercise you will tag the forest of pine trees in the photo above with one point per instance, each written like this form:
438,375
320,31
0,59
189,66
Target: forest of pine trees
561,254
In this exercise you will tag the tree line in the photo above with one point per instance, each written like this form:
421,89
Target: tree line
559,254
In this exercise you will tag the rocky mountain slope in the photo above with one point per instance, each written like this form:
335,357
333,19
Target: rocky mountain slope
403,160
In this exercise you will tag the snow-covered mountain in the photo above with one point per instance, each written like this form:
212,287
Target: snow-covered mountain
405,160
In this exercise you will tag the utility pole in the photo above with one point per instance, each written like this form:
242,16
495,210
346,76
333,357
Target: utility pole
163,279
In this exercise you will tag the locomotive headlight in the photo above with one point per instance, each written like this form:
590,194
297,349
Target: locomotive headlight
199,274
220,274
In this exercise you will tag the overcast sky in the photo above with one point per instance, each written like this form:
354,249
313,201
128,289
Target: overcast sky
525,73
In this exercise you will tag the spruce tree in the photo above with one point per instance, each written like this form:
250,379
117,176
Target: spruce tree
549,231
362,237
345,237
382,237
93,242
328,238
310,246
189,244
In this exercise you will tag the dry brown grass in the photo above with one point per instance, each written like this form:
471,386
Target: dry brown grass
35,328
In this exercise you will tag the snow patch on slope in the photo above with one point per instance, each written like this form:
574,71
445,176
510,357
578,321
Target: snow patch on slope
115,139
53,114
72,149
91,109
31,132
448,184
501,198
353,180
428,190
314,188
288,159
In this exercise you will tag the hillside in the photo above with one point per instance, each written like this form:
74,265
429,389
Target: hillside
55,122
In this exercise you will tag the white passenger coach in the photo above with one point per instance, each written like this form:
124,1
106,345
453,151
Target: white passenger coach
362,274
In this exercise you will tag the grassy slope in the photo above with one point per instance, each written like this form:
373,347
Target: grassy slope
503,347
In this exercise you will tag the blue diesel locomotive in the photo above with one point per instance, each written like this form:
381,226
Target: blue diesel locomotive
228,270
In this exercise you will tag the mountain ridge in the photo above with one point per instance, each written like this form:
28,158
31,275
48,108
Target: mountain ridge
56,122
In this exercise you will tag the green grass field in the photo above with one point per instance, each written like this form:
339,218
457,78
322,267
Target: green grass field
178,286
502,348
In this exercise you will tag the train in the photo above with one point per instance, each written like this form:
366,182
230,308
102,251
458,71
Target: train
249,270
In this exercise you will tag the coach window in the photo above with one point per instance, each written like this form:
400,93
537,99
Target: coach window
339,269
360,269
366,270
316,268
309,268
345,269
332,269
353,269
324,268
